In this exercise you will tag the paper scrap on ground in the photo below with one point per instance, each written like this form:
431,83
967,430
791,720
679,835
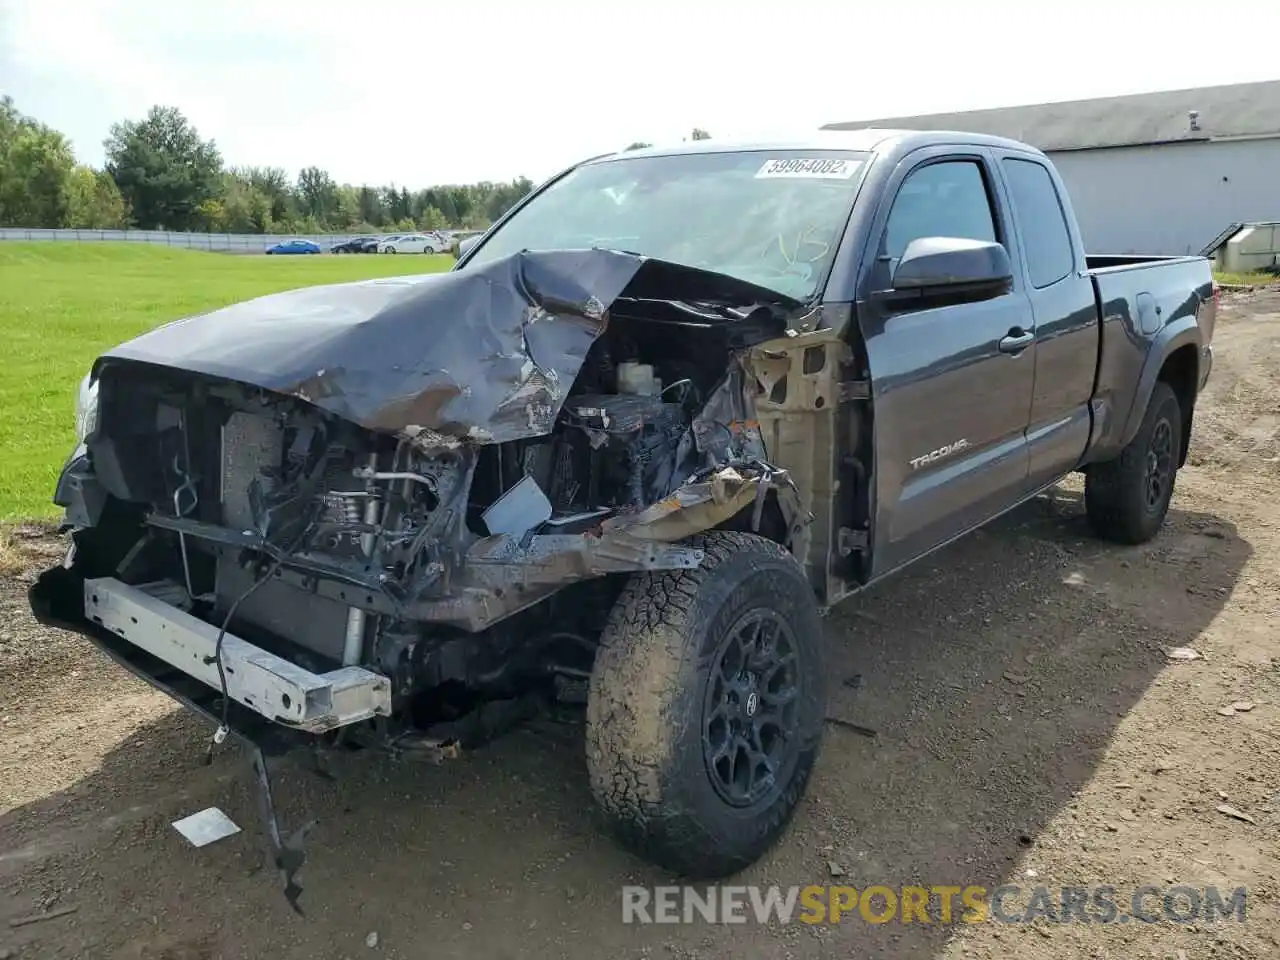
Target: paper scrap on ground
206,826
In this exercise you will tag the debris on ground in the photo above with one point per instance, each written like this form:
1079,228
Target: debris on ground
1230,811
850,725
40,917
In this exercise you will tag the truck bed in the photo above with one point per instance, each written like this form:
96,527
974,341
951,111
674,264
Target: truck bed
1148,307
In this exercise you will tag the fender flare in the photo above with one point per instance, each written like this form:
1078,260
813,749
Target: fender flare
1173,337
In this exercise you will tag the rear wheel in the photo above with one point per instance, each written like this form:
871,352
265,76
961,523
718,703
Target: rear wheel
1128,498
705,710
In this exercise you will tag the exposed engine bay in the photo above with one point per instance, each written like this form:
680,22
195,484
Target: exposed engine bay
459,558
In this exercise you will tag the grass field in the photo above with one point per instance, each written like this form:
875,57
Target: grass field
1254,279
62,304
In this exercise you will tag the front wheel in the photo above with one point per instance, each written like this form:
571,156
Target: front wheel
1127,498
705,709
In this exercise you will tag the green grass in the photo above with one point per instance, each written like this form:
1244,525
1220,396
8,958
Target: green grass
1253,279
63,304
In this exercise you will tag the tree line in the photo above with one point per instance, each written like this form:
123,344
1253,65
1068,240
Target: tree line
161,175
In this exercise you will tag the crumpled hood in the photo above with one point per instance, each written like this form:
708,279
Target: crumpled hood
484,353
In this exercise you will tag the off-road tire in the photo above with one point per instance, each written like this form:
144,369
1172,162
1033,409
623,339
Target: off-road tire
1118,494
648,701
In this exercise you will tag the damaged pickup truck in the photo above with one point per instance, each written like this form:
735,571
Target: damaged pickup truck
658,418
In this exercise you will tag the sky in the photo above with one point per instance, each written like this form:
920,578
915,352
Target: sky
422,92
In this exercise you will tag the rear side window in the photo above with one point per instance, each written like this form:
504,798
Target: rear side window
947,199
1041,221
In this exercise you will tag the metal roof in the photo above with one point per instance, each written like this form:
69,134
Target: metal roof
1232,110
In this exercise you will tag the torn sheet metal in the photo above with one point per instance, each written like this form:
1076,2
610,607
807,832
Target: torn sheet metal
707,503
485,353
562,558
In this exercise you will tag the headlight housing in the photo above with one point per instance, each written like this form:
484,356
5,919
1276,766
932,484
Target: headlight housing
86,407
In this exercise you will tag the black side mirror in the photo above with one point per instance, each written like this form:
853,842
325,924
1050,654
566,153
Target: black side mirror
952,267
467,244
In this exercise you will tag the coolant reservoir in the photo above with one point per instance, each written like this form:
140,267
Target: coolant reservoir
638,378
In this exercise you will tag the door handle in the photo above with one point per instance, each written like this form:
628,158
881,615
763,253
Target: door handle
1017,340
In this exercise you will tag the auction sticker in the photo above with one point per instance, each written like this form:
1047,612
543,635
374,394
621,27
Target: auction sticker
814,168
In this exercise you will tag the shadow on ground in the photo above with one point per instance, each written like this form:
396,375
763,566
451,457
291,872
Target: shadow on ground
995,674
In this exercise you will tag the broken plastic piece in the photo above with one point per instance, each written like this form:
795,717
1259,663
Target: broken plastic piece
519,510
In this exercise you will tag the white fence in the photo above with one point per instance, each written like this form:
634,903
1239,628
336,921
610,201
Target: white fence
221,242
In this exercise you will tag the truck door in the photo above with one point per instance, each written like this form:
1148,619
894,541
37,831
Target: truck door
1066,314
952,381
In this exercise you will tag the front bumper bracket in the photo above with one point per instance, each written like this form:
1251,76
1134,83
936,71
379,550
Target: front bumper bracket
267,684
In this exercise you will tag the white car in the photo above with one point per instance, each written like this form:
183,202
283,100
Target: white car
414,243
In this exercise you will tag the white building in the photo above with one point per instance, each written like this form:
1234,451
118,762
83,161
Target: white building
1162,173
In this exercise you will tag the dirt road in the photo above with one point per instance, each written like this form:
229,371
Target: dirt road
1032,730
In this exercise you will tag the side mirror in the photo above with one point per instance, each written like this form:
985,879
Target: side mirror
467,244
952,266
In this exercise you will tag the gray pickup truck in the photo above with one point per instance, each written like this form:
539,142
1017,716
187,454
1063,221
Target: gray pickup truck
671,407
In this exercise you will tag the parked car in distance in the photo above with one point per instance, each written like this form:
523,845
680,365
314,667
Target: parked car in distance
294,246
414,243
356,245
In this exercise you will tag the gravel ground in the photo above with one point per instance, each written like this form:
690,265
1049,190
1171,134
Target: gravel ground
1032,729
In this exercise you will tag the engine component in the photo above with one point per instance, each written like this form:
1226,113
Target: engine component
250,444
353,644
638,379
632,440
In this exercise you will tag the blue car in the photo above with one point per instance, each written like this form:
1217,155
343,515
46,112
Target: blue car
294,246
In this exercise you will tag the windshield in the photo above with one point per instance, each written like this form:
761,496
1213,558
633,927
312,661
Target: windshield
772,218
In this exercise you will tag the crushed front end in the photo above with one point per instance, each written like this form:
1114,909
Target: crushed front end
363,514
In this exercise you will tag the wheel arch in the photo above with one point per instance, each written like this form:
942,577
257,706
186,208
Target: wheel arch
773,521
1175,341
1181,371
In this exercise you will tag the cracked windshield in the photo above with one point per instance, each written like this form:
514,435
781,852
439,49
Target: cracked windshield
772,218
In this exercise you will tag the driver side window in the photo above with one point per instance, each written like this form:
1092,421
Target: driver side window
947,199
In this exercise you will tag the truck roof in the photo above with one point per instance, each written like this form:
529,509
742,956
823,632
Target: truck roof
866,140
